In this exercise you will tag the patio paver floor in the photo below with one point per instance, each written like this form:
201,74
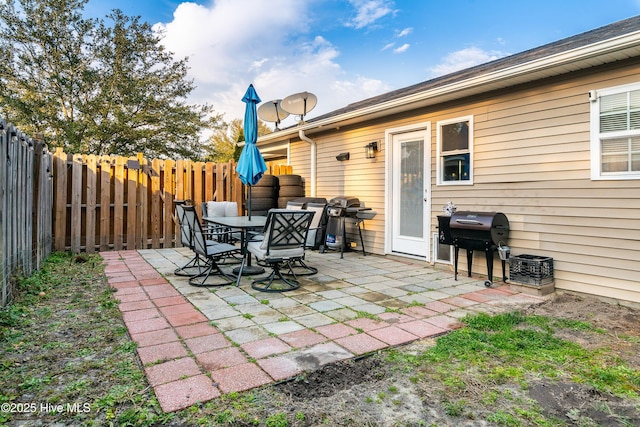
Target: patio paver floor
197,343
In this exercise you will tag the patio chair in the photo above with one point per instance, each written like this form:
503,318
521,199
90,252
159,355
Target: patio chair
195,264
213,251
221,209
283,243
300,267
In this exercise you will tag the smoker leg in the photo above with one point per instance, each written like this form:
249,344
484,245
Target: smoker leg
504,276
469,260
489,254
455,262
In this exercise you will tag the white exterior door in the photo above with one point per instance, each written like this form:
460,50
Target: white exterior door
410,180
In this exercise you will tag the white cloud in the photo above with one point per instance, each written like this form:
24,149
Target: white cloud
369,11
405,32
231,44
388,46
402,48
464,58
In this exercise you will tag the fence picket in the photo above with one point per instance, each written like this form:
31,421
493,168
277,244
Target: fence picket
90,210
170,226
118,205
156,222
105,203
76,203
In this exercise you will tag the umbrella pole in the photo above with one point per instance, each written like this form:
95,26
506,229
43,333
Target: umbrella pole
249,203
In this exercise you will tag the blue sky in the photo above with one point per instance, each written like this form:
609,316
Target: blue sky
348,50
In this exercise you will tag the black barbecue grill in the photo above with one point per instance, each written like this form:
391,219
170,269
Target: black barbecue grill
339,209
479,231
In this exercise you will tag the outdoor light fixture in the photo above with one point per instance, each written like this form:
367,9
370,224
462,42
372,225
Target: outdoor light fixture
342,157
370,150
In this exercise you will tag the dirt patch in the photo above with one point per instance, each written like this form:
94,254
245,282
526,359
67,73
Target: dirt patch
369,391
581,405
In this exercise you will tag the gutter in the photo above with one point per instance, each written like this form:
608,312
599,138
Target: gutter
314,151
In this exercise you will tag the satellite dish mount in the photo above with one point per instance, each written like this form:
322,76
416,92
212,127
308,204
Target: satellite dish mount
272,111
299,104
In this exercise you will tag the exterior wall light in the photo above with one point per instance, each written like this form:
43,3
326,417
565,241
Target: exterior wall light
370,150
342,157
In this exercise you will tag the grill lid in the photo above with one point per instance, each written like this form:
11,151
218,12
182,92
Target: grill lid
345,201
480,226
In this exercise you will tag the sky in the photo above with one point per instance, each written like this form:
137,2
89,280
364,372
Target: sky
345,51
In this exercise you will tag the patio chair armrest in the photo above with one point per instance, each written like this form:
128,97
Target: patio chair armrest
254,236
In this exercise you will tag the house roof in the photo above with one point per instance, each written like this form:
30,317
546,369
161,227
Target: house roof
614,42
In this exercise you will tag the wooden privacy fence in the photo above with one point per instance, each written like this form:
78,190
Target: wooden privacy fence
111,203
25,205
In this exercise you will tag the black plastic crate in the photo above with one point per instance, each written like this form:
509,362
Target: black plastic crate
531,269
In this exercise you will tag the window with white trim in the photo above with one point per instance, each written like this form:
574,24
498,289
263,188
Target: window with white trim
615,133
455,151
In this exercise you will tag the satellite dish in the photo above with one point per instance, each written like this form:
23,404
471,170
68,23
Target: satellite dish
299,103
272,112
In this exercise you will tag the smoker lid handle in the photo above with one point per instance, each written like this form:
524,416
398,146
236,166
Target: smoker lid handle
468,221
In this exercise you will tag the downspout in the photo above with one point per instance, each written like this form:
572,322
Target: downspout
314,151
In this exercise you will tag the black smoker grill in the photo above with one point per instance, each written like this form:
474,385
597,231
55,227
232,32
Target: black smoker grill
479,231
338,210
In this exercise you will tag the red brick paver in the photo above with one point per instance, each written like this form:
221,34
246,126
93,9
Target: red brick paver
172,371
361,343
280,367
240,377
221,358
303,338
393,335
266,347
186,392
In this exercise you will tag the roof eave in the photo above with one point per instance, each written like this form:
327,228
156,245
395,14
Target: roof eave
610,50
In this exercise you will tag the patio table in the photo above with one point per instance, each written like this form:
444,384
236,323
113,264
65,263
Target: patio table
244,224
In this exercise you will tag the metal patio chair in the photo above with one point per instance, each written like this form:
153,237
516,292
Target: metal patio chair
195,264
283,244
300,267
211,250
213,209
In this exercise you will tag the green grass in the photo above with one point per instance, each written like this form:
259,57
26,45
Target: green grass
511,347
64,342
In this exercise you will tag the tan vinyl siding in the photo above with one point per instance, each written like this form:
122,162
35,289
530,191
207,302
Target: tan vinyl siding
532,162
358,176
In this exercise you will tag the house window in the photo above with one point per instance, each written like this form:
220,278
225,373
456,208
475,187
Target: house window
615,133
455,151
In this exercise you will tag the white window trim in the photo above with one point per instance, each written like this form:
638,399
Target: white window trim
439,125
596,173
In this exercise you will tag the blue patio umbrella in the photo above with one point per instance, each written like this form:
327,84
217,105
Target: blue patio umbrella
251,165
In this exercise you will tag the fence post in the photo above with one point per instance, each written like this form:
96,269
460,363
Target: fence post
76,202
60,200
90,204
4,264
